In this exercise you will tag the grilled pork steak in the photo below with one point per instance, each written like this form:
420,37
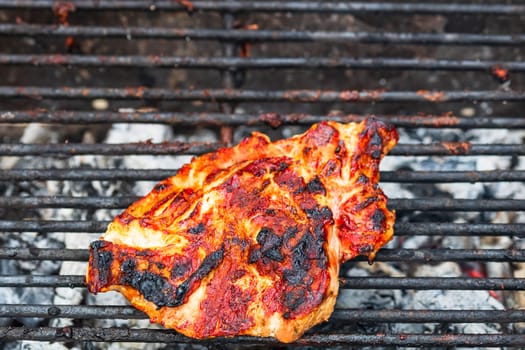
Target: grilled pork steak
248,240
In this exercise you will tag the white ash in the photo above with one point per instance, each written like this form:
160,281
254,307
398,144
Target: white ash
449,300
36,345
375,299
124,133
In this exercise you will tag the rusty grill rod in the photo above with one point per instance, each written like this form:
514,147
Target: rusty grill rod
69,334
348,315
241,95
119,202
221,119
421,283
273,119
401,228
280,6
156,61
184,148
237,35
399,176
392,255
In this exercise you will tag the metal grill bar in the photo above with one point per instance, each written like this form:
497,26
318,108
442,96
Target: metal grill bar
425,204
430,283
281,6
35,30
399,176
69,334
256,63
401,255
348,315
401,228
173,148
222,119
54,226
166,148
422,283
232,95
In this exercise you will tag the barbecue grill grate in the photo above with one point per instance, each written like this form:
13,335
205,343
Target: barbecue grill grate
227,74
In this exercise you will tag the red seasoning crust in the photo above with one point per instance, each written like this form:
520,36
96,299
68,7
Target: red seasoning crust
248,240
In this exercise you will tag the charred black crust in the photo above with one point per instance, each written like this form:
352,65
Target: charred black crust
366,249
273,254
318,213
198,229
365,203
208,264
255,254
316,186
128,266
102,261
295,298
300,260
152,287
179,270
95,245
362,179
330,167
376,140
308,252
289,233
270,212
283,166
270,244
158,289
378,220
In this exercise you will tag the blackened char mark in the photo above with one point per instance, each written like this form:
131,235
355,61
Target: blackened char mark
255,254
208,264
315,186
378,220
373,142
376,140
128,267
366,249
317,248
152,287
365,203
180,269
273,254
198,229
158,289
332,167
362,179
289,234
270,244
294,298
301,263
318,213
308,250
101,263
